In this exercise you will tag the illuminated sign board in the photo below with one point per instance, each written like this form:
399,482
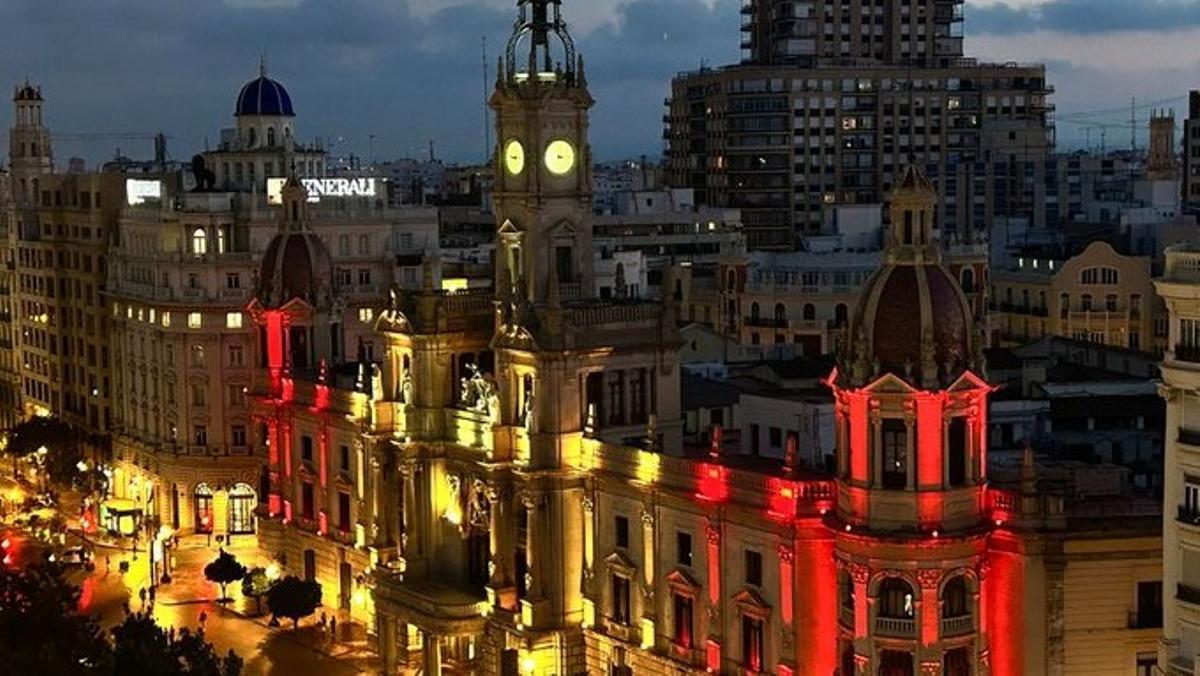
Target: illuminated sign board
324,187
138,191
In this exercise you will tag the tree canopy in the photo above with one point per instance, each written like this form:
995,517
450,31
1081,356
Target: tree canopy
224,569
294,598
142,648
42,630
256,584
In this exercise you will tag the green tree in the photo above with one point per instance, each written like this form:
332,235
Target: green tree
255,585
42,627
294,599
223,570
60,440
142,648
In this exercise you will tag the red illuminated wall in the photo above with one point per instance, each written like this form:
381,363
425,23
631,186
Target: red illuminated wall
816,592
1004,597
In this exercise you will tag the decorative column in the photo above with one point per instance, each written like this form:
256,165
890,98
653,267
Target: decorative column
500,534
787,562
649,612
379,503
929,579
431,654
860,575
533,583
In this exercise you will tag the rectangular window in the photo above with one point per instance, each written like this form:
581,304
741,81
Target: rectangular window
895,454
200,435
620,592
237,356
683,548
194,320
365,315
683,606
237,435
166,319
776,436
233,280
753,568
198,395
1149,604
344,512
306,448
344,458
364,277
752,643
621,535
306,500
233,320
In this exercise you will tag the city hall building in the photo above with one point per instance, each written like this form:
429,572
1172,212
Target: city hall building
507,486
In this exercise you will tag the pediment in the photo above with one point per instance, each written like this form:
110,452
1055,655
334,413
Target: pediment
751,601
969,381
680,579
890,383
508,228
620,562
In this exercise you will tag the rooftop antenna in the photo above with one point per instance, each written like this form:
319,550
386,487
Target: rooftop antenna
1133,124
487,121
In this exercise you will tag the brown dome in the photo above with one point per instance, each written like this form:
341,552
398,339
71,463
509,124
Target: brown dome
297,265
902,308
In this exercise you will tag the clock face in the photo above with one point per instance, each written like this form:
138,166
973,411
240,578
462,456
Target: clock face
514,157
560,157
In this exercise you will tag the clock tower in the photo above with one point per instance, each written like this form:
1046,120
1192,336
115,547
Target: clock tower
543,190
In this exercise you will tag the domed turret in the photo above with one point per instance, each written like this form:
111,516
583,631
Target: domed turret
297,264
263,96
912,318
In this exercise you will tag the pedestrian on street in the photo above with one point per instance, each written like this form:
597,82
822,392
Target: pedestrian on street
151,596
142,596
333,630
203,617
324,619
107,564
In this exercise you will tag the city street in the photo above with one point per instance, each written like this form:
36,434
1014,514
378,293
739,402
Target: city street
190,600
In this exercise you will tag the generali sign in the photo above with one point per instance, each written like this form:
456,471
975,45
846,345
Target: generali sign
324,187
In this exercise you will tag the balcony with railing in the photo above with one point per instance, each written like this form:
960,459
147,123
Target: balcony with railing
957,626
1189,436
1145,618
896,627
1188,594
1188,353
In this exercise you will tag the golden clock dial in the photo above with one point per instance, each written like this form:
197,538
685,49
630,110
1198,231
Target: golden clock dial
514,157
560,157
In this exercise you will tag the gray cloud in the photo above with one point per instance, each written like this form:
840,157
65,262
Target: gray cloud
354,67
1083,16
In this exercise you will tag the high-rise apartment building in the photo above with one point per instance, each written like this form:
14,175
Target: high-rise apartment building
806,32
1191,151
833,99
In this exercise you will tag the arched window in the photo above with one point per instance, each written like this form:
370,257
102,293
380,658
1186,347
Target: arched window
780,314
954,598
199,242
839,314
251,136
754,312
242,499
203,496
846,590
810,312
895,599
968,280
271,137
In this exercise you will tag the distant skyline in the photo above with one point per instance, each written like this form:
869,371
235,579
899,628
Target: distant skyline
411,71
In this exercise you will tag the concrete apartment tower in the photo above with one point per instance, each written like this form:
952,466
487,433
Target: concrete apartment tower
1160,158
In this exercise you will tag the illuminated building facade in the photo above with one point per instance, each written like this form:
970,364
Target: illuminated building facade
1097,296
181,272
511,490
59,228
1180,290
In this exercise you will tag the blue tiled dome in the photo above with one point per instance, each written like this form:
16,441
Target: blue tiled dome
264,96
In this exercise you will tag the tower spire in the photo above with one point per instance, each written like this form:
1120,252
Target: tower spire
262,64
